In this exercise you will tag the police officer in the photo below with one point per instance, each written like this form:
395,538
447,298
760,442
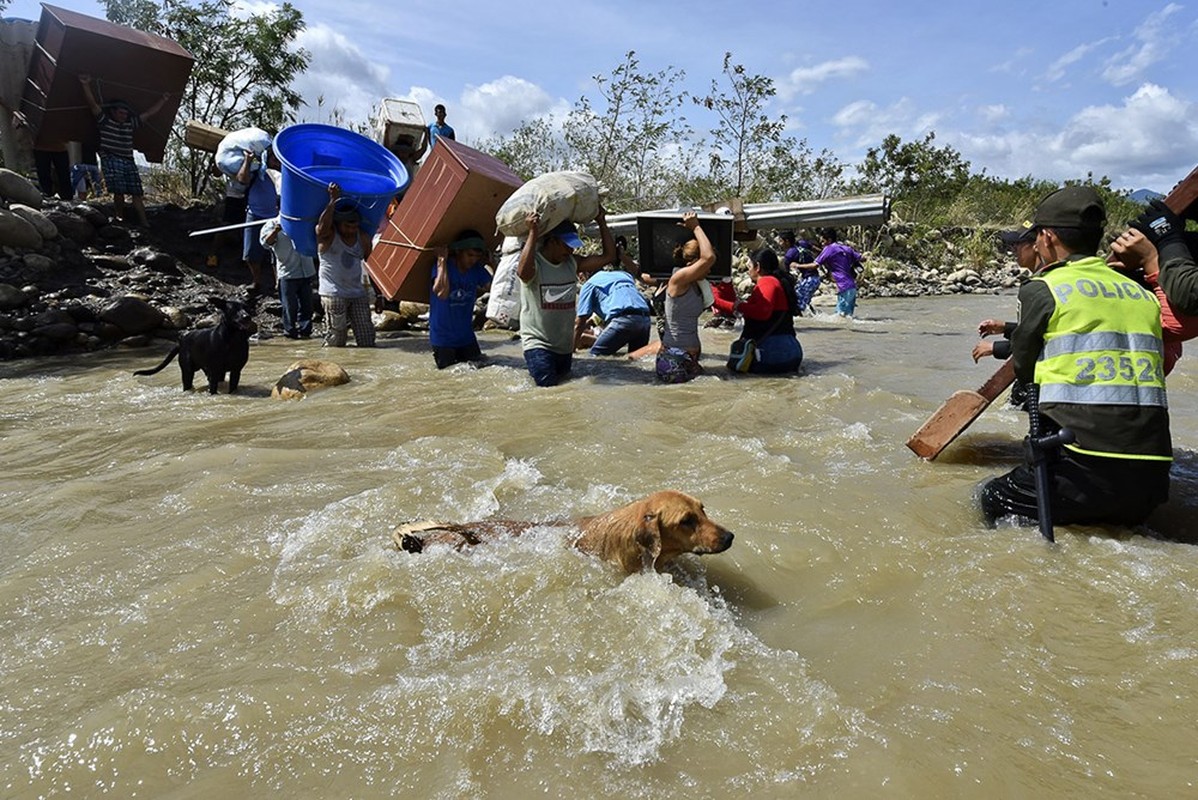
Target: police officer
1091,339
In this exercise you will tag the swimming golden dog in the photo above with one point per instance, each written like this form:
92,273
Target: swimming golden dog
643,535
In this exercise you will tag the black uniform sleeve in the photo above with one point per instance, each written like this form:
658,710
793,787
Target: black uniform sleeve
1179,277
1036,305
1008,329
1002,349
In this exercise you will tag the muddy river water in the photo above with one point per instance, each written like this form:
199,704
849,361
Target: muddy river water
201,598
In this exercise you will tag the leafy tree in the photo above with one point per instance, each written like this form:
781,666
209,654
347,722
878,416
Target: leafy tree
622,142
244,66
793,172
532,149
746,139
923,179
827,176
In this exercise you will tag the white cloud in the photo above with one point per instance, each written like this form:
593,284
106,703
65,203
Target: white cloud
497,107
1148,140
1017,63
350,84
1155,37
994,113
807,80
1056,70
248,8
863,123
501,105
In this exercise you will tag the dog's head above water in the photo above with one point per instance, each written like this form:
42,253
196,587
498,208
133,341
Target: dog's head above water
235,314
652,532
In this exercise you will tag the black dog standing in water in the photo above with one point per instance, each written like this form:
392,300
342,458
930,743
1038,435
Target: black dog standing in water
215,351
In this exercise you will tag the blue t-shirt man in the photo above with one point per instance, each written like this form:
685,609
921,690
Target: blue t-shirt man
451,319
439,128
612,294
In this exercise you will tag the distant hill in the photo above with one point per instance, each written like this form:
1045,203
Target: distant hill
1144,195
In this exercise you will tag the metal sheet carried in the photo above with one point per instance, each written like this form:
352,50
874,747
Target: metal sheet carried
457,187
125,64
868,209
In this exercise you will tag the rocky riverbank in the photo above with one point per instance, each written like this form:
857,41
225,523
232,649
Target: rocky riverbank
72,279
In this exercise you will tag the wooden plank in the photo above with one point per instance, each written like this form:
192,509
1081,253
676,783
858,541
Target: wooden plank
958,413
201,136
1183,199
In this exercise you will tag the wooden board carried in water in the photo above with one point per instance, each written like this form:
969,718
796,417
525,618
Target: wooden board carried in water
958,413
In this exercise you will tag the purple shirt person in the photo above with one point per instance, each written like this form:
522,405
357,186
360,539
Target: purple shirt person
841,262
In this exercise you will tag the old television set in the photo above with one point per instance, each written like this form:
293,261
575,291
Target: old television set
659,232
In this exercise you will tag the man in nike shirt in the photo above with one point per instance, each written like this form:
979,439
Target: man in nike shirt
548,274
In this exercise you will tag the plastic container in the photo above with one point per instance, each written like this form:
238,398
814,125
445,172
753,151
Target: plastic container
313,156
400,123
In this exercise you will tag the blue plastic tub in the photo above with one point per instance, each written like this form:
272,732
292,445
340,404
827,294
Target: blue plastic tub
313,156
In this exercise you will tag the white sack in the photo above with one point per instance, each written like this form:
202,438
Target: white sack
556,196
503,306
230,153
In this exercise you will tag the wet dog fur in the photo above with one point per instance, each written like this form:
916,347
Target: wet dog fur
215,351
643,535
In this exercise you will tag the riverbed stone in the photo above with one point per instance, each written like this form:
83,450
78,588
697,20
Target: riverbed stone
412,311
11,296
390,320
35,218
176,318
154,259
306,375
71,226
38,265
132,315
95,216
57,331
17,189
16,231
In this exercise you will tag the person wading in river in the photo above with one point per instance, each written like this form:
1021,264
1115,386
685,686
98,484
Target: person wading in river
1091,339
548,272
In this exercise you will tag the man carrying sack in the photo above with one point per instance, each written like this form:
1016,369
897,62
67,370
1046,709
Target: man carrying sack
1091,339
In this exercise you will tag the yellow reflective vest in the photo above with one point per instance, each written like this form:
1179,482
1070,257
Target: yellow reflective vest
1103,342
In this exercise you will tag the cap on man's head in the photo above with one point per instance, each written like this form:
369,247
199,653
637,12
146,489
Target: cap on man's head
1071,207
568,235
1024,234
469,240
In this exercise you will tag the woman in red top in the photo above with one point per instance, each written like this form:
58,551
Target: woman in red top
769,314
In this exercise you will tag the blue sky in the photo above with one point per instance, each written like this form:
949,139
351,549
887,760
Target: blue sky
1054,90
